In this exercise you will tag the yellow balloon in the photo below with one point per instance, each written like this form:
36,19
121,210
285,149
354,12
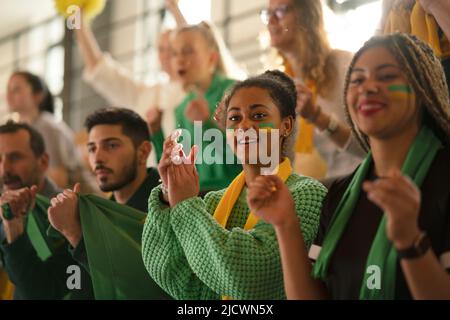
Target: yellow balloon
90,8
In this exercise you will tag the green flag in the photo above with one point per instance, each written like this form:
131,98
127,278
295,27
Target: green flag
37,225
112,236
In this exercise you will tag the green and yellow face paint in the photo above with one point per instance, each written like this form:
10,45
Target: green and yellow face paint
402,93
266,126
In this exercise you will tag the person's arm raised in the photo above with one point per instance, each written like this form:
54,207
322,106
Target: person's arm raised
172,6
89,49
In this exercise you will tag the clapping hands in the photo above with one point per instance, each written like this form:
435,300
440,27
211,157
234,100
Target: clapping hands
178,172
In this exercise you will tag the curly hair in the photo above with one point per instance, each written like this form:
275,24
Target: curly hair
424,73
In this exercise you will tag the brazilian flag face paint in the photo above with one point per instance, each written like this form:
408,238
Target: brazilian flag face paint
402,94
266,126
401,88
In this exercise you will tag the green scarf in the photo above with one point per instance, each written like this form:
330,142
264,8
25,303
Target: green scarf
112,235
382,253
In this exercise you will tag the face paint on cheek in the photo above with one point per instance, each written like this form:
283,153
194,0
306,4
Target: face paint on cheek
402,92
400,88
266,126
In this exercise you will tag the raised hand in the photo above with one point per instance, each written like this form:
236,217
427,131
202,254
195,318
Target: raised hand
399,198
269,198
172,6
198,109
183,180
166,159
19,201
64,216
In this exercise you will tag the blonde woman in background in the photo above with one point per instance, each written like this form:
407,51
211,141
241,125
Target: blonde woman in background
157,102
198,57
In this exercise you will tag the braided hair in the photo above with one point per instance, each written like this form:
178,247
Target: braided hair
424,73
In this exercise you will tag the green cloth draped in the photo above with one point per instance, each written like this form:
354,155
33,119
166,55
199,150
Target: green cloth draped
112,235
382,253
37,225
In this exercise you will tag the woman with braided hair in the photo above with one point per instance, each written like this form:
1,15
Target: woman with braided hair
385,229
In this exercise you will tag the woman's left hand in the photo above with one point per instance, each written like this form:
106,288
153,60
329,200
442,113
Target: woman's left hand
183,180
399,198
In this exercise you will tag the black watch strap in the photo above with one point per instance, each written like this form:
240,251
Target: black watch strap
417,250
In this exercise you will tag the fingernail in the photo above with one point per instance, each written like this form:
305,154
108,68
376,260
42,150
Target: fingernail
177,148
176,134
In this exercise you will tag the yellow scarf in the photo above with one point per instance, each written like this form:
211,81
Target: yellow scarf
420,24
6,287
226,204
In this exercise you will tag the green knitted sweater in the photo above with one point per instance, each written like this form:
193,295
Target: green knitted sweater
192,257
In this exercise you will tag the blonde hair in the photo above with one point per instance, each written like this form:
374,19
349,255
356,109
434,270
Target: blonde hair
315,55
425,75
226,65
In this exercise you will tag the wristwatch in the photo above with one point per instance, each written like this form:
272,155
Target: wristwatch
332,126
417,250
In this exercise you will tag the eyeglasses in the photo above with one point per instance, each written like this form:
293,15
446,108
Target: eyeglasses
279,13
